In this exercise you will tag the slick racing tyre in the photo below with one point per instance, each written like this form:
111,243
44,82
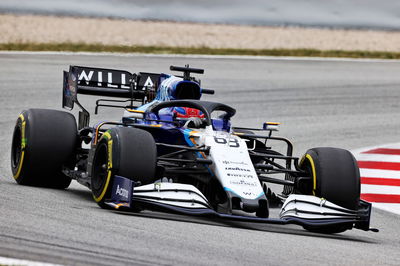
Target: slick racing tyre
127,152
335,177
43,141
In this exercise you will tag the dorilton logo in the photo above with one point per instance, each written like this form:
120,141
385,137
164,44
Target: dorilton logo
122,192
232,162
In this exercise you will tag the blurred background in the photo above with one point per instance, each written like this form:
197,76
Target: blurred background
273,27
382,14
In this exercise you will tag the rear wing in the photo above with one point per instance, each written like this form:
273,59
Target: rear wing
108,83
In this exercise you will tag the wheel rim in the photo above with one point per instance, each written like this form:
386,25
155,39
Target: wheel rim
308,188
16,148
99,175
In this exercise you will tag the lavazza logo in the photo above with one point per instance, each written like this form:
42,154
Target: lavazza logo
243,183
122,192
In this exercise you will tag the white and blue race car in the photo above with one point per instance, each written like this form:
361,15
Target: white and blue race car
177,153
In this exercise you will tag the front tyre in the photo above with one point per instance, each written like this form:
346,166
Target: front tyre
127,152
335,177
43,141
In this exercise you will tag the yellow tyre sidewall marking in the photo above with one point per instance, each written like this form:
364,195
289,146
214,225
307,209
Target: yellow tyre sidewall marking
314,173
107,136
23,145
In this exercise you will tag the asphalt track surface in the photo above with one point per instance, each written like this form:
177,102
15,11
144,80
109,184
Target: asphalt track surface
348,104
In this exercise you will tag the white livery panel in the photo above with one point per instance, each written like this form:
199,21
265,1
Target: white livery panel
232,165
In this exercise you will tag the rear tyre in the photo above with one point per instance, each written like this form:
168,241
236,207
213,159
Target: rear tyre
335,177
127,152
43,141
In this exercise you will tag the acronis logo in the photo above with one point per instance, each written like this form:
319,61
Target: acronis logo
122,192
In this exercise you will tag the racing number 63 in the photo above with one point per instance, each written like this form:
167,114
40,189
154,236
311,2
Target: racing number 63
234,143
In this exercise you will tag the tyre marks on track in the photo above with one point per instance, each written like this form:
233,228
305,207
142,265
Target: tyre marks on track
380,176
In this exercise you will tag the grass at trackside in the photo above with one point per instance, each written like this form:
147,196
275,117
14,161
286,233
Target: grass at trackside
76,47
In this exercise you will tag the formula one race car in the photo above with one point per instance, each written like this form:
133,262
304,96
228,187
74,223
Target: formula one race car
177,153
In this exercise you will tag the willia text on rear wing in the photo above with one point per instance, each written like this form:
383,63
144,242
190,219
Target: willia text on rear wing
117,79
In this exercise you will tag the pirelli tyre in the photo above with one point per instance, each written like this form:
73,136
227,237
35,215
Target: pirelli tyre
43,141
127,152
335,177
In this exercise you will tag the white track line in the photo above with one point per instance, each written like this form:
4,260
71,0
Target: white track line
11,261
378,157
379,173
379,189
389,207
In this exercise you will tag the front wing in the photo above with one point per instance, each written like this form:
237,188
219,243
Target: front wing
308,211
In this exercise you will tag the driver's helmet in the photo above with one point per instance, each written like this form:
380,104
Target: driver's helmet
186,112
